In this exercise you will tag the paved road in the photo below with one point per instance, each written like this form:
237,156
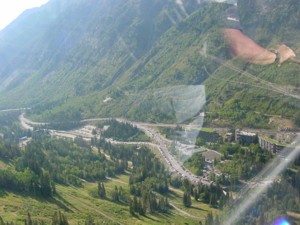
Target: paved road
174,165
158,141
12,110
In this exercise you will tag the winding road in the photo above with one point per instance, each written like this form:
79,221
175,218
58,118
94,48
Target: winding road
157,141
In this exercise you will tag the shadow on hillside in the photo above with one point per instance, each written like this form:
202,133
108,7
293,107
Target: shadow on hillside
62,203
56,199
173,194
198,208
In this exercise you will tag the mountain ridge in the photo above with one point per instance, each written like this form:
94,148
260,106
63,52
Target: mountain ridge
126,50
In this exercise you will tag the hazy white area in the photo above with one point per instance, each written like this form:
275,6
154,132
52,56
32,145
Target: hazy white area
10,10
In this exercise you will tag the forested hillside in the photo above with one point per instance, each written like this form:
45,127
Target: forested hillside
75,59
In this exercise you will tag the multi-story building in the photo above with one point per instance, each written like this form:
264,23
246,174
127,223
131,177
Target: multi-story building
270,145
245,138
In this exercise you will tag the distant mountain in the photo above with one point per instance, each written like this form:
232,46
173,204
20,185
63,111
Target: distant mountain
76,59
94,40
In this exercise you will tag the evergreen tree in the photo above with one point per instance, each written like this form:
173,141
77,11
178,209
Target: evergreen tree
167,203
101,190
187,185
45,184
115,195
196,193
59,219
206,194
53,187
187,201
152,202
212,200
209,220
122,195
131,207
28,220
141,208
135,204
163,204
1,221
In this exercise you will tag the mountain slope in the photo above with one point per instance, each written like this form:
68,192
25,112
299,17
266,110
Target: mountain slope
126,58
72,49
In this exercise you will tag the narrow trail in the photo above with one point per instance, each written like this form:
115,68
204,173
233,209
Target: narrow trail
183,212
176,190
115,180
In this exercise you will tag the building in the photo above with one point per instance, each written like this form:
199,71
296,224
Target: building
209,135
229,137
270,145
245,138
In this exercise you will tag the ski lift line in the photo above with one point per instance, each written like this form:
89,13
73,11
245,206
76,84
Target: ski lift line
227,64
261,87
166,93
251,76
278,89
272,86
239,82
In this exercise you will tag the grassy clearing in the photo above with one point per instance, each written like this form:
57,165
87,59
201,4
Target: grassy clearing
3,165
78,203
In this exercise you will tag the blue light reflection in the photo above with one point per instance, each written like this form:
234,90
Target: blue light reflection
281,221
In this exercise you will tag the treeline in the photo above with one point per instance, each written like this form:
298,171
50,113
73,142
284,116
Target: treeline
46,161
172,133
149,202
27,182
147,173
122,131
57,219
148,177
9,151
238,112
148,180
212,194
55,111
67,162
30,179
10,129
118,194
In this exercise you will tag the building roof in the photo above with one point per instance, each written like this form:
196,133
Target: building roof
246,133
